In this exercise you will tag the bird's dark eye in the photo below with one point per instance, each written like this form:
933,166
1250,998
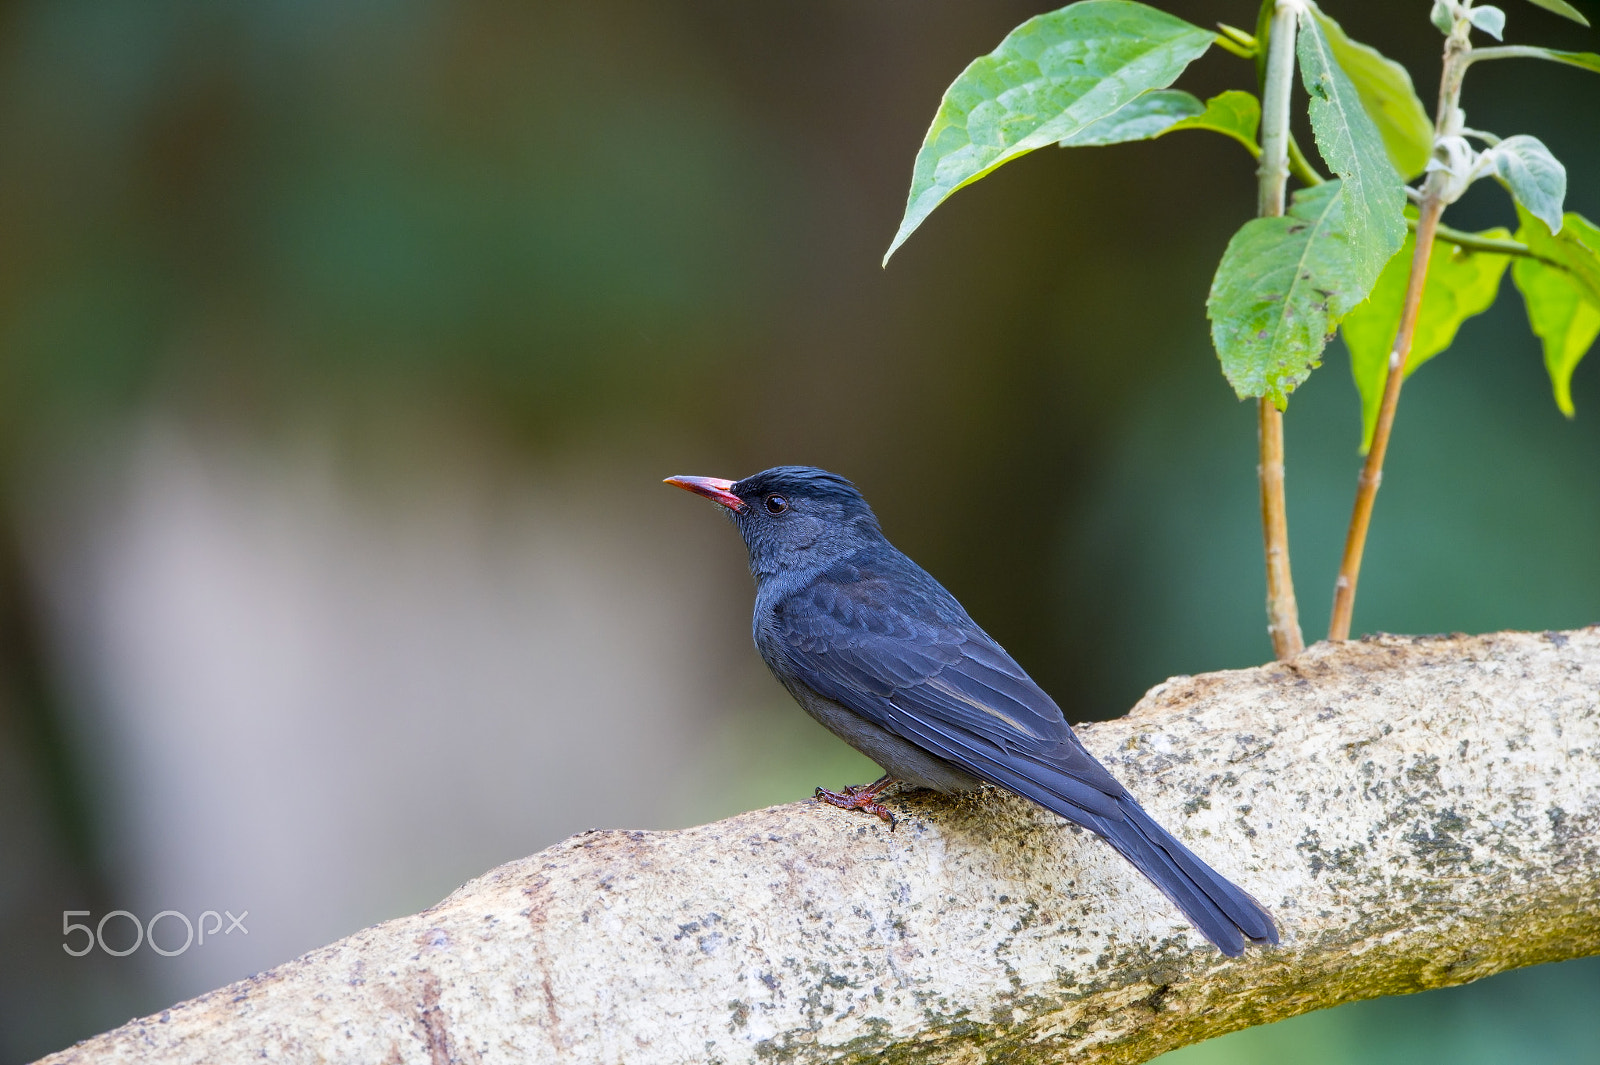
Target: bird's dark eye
775,504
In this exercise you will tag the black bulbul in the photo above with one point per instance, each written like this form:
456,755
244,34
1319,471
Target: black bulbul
876,649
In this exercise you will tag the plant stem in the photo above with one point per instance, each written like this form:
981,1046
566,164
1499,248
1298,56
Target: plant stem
1300,166
1515,51
1344,589
1228,44
1272,175
1447,122
1283,615
1479,242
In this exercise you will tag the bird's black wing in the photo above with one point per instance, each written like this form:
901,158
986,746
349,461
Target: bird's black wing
879,635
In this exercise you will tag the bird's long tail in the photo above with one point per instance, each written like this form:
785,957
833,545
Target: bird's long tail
1224,913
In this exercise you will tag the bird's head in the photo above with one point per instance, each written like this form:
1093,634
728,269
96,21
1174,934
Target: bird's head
791,517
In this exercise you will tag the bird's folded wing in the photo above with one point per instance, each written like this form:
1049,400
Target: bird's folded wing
901,652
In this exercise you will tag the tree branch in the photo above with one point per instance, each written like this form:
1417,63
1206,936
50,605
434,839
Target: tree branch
1417,811
1272,179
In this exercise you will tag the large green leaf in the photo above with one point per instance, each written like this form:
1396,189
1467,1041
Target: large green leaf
1374,195
1234,113
1536,178
1562,8
1563,301
1460,284
1282,285
1050,77
1386,93
1147,115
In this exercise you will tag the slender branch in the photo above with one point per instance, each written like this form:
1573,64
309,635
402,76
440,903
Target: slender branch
1364,792
1512,51
1344,589
1283,614
1479,242
1447,122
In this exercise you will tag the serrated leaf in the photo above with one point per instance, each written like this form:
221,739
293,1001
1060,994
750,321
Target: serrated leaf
1234,113
1489,19
1388,96
1459,285
1576,247
1281,286
1562,8
1536,178
1374,195
1147,115
1562,319
1563,301
1050,77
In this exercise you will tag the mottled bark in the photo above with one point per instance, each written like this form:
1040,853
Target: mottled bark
1417,812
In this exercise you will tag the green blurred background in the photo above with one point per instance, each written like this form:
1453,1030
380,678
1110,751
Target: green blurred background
343,345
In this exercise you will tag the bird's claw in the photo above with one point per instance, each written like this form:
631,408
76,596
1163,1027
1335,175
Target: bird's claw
860,797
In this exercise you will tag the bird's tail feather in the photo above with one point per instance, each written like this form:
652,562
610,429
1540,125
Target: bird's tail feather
1224,913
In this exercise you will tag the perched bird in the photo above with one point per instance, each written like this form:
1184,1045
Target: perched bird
877,651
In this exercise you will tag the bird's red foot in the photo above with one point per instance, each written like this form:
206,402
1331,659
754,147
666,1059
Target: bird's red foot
861,797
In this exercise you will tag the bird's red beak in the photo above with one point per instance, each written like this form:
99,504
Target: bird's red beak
713,488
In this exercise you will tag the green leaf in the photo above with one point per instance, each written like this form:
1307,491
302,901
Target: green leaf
1234,113
1386,93
1563,300
1374,195
1049,78
1586,60
1281,286
1489,19
1562,8
1459,285
1442,17
1147,115
1536,178
1576,250
1562,319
